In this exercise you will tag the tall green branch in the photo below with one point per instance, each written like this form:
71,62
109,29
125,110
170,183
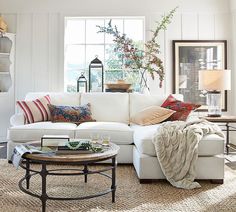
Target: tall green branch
146,60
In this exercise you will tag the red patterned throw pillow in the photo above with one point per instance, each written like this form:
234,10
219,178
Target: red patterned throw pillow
36,110
182,109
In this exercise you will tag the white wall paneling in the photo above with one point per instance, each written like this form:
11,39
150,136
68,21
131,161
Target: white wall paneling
222,26
24,73
189,26
40,48
53,51
206,26
151,24
40,52
173,32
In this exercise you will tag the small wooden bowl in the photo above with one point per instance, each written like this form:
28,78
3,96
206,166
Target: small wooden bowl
124,86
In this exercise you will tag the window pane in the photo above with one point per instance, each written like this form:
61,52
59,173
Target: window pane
111,76
134,29
115,22
74,57
133,77
112,61
92,51
83,43
75,31
71,80
92,37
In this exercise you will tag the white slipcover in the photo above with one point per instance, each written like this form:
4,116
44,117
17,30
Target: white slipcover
208,146
119,133
35,131
112,112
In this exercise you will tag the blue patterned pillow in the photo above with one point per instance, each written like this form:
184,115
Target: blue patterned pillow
73,114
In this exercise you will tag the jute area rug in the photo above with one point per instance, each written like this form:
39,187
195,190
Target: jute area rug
130,196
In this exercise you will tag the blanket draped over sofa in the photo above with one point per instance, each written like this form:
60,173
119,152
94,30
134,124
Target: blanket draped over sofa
176,145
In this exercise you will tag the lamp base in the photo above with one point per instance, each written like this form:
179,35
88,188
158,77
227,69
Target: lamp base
214,103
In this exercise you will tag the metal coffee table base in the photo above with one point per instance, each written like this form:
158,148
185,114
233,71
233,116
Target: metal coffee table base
44,173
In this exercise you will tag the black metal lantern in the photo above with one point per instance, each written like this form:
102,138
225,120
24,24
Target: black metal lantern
82,84
96,76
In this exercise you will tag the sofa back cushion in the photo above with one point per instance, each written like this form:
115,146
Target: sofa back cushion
139,102
113,107
68,99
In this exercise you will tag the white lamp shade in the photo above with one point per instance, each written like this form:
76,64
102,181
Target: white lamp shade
214,80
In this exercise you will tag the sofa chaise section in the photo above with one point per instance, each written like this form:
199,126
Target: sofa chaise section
210,164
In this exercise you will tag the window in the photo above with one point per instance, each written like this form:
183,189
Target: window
83,43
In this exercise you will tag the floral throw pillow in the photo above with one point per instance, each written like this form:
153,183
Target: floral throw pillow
72,114
183,109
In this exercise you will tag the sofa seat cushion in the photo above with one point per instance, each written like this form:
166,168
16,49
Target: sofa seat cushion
119,133
35,131
143,135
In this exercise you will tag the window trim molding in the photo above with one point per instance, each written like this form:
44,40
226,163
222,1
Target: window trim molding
71,17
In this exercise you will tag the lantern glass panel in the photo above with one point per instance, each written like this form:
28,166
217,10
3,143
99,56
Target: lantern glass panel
96,81
82,84
92,37
82,87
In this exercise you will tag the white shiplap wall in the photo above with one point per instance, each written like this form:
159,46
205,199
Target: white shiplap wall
39,51
39,36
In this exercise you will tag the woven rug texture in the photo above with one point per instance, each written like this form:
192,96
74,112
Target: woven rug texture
130,195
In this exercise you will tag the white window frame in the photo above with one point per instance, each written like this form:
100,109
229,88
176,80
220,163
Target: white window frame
104,40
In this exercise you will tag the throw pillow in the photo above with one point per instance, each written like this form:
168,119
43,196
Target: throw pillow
36,110
151,115
183,109
73,114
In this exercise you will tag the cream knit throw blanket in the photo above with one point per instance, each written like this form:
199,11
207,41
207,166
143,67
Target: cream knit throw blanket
176,145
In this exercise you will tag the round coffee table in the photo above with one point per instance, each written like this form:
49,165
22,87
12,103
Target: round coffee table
73,159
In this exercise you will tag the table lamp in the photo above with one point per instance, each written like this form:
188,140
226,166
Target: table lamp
214,82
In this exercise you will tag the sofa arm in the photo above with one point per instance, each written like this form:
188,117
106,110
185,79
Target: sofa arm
17,119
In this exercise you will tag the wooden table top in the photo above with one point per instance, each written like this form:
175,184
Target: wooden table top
229,119
112,150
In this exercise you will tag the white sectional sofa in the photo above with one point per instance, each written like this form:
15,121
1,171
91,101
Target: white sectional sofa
112,112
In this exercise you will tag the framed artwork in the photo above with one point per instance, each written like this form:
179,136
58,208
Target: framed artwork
190,56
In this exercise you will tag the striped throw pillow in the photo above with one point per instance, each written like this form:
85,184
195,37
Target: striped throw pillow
36,110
